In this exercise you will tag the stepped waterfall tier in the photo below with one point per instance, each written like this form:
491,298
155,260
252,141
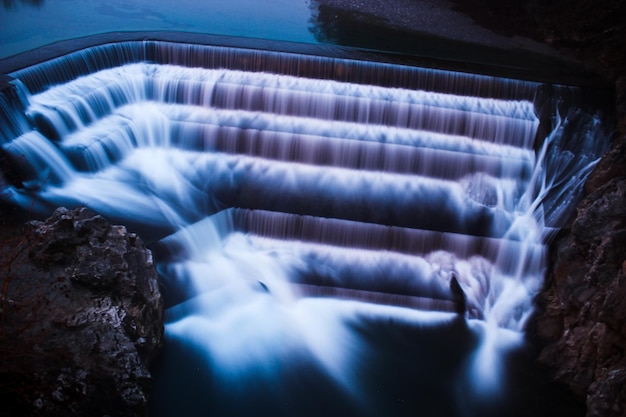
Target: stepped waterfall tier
333,236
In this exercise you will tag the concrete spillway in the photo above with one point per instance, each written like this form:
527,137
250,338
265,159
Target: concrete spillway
272,186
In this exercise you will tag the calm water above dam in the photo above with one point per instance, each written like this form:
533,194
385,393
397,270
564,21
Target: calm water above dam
436,30
28,25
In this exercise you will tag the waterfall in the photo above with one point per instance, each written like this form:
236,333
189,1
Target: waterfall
320,224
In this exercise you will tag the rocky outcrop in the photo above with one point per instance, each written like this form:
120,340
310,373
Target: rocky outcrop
581,322
583,318
81,319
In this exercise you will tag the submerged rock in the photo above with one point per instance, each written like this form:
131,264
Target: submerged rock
81,319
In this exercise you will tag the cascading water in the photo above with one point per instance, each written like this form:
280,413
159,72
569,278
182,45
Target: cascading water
332,236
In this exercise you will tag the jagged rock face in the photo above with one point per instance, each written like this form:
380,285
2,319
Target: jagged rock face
583,318
81,318
582,309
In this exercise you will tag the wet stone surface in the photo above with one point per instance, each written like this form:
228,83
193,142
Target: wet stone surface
81,318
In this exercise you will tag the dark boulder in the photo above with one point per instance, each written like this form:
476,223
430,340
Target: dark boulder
81,319
582,318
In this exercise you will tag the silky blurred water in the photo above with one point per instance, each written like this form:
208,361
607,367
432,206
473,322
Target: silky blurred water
255,191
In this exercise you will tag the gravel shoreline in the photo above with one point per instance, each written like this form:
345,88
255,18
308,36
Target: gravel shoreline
448,34
436,18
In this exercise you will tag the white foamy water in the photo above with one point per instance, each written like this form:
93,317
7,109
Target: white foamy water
313,230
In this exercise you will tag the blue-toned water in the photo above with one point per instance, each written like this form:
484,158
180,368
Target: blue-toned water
333,237
29,25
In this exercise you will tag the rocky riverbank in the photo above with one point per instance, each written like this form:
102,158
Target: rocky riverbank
81,317
581,320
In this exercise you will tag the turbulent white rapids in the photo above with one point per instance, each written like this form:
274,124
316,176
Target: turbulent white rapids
289,213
